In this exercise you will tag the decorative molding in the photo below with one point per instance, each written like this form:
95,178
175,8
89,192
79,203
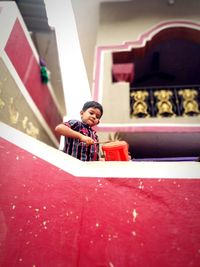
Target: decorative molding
126,46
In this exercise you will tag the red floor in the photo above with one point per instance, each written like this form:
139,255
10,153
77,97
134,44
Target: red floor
49,218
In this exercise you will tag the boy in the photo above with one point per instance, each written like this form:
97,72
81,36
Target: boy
81,141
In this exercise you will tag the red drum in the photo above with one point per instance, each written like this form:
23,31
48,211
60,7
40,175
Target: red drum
116,151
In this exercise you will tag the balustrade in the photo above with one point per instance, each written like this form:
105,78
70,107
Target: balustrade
165,102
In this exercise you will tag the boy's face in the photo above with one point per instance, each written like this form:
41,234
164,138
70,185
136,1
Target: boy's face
91,116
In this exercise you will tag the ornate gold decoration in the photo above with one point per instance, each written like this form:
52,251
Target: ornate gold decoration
29,128
2,103
24,122
140,109
139,105
14,114
164,105
190,105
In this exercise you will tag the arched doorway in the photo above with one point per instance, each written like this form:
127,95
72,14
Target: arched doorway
171,57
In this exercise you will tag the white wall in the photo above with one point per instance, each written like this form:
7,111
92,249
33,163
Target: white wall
75,83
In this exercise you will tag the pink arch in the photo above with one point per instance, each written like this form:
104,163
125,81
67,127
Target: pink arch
140,42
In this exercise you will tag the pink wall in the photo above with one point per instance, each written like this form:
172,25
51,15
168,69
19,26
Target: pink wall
51,218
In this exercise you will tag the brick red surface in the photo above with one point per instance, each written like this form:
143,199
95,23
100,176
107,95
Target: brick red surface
48,218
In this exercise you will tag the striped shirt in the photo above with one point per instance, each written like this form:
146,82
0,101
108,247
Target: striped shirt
81,150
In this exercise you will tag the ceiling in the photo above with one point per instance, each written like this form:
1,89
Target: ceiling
34,14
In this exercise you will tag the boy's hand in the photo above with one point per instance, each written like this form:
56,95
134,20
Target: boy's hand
87,140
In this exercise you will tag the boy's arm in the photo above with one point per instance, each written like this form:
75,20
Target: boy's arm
67,131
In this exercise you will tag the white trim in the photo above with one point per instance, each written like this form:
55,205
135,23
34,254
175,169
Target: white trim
8,20
150,124
117,169
10,13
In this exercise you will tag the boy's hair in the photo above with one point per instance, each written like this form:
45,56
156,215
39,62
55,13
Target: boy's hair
93,104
